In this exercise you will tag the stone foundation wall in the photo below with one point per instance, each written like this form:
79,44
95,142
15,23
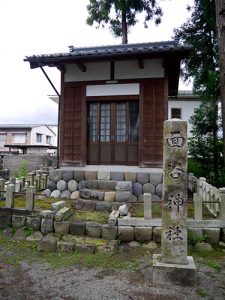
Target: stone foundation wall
45,222
104,186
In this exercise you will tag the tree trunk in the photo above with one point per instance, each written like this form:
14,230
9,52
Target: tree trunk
124,27
220,22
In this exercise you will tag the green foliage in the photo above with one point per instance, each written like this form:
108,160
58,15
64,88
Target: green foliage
120,15
205,146
201,293
194,238
23,171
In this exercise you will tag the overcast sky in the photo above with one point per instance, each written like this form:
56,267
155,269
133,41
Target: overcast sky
49,26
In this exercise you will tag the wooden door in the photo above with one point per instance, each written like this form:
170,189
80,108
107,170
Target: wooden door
113,133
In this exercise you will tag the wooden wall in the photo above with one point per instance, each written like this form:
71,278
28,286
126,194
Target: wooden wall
73,118
72,126
153,113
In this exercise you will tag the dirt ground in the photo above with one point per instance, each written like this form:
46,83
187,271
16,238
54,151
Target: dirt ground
40,280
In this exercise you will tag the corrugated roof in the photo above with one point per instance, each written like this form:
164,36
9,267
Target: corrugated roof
104,52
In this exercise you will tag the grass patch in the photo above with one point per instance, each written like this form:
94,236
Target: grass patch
95,216
13,253
201,293
138,210
213,259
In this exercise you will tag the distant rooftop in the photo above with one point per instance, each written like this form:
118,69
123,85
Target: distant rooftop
24,126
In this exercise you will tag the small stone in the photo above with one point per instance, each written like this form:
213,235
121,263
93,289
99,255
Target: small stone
75,195
103,175
222,244
33,223
78,204
89,205
91,184
57,205
203,247
85,248
106,249
72,186
155,178
110,196
123,209
65,246
158,190
134,244
123,196
97,195
94,230
85,194
61,227
78,228
51,185
150,246
78,175
117,176
35,236
126,233
65,194
109,232
46,226
101,206
114,244
143,177
55,175
48,244
107,185
143,234
82,185
47,214
67,175
148,188
61,185
90,175
55,194
18,221
130,176
137,189
124,186
47,193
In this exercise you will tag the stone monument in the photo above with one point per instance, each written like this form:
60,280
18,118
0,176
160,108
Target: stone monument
173,266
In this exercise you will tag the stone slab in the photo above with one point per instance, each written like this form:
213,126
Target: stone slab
173,274
103,175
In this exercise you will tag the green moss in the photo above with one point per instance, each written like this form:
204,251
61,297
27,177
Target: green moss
201,293
95,216
14,253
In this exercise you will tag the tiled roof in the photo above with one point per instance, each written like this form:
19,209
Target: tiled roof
104,52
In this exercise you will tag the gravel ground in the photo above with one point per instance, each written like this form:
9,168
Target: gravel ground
42,281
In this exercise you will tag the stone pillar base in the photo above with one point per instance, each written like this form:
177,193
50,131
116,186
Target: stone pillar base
173,274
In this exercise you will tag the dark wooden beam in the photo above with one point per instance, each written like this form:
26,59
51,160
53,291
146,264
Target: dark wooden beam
82,67
112,70
141,63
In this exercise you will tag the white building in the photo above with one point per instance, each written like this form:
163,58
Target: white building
28,138
183,107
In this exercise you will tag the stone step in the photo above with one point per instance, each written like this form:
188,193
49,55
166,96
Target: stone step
107,196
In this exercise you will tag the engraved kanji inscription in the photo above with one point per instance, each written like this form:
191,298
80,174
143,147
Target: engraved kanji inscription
177,170
175,201
175,139
174,234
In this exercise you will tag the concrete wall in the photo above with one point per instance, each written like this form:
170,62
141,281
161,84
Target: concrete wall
34,162
44,131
